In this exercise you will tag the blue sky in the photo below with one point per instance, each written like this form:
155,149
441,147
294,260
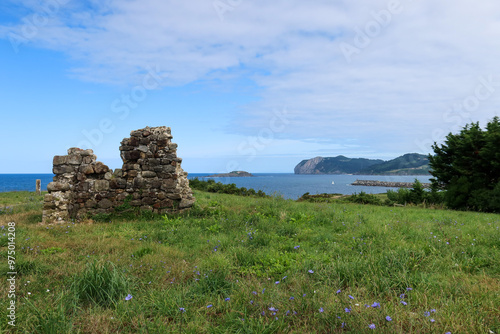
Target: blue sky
247,85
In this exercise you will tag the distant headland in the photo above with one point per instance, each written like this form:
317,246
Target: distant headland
237,173
408,164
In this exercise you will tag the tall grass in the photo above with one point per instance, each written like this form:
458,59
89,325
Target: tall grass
100,284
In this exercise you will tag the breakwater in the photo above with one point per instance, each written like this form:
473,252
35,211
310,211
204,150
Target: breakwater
374,183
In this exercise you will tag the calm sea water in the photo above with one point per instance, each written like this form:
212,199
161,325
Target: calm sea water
288,185
293,186
23,182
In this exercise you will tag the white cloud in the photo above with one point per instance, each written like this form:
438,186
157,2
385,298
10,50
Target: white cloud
393,93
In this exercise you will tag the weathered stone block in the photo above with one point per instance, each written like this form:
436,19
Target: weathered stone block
117,183
100,168
57,186
86,169
62,169
147,201
136,133
143,148
105,204
174,196
138,182
156,184
130,155
74,159
60,160
148,174
169,184
133,141
101,185
186,203
89,159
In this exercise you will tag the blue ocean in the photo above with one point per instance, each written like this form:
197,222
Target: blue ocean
288,185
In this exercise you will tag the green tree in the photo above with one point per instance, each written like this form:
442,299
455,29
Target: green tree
467,166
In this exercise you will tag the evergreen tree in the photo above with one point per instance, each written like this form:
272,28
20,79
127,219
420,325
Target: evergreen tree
467,166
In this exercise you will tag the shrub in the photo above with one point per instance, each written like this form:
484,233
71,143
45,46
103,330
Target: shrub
218,187
364,198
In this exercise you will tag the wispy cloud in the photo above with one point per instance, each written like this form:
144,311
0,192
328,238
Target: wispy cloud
392,92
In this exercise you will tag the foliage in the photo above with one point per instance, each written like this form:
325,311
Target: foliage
467,166
416,195
218,187
364,198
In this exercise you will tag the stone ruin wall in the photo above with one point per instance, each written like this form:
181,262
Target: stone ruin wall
151,179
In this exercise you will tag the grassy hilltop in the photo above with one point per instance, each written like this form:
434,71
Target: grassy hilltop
254,265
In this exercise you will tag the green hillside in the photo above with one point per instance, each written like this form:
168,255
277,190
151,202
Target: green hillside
408,164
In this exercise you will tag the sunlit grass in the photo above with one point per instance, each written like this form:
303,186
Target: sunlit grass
266,265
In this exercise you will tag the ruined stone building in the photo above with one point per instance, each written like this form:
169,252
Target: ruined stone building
151,179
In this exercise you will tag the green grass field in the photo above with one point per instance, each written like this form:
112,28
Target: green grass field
254,265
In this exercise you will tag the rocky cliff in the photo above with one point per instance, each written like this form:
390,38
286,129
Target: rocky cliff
334,165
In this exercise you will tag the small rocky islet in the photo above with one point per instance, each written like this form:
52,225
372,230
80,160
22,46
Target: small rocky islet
233,174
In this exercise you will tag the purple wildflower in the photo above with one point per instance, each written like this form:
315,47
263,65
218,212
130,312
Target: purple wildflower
432,320
388,318
339,291
404,303
209,306
371,326
128,297
227,299
277,282
409,289
321,310
296,247
351,297
182,309
310,271
427,313
347,310
375,304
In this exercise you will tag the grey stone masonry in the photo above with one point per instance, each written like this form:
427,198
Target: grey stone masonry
151,178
